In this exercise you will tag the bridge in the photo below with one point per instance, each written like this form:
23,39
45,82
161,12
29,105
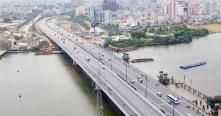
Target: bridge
119,80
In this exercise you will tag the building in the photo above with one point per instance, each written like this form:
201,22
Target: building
80,11
210,8
105,16
110,5
91,13
177,10
182,11
194,9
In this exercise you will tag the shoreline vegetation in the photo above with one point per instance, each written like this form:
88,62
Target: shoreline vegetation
153,37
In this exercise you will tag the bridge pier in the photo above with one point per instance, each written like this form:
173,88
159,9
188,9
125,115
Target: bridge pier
74,63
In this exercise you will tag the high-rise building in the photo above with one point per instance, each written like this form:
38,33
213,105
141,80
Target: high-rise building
210,8
105,16
177,9
110,5
80,11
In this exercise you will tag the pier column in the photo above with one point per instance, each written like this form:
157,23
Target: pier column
74,63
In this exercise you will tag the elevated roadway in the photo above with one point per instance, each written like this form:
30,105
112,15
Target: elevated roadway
127,74
126,98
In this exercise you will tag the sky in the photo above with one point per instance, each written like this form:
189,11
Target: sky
53,0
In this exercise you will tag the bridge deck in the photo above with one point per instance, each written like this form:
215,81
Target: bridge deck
120,93
114,76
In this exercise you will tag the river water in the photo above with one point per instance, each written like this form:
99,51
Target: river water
168,59
48,85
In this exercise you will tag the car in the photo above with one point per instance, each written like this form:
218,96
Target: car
168,101
162,110
88,58
140,80
159,94
132,81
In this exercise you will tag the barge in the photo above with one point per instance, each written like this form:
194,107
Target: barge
193,65
142,60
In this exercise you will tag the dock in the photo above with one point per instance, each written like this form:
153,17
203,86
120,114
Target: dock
2,53
189,88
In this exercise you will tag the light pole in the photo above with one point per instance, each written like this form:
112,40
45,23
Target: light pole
146,87
111,60
126,71
90,45
99,53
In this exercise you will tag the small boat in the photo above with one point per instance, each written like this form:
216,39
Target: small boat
193,65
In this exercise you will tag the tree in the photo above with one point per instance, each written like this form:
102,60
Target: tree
138,34
7,20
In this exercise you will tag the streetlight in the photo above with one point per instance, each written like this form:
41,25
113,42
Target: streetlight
110,59
111,62
90,45
146,87
99,54
126,71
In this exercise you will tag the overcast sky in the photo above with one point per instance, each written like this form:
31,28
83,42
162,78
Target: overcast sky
57,0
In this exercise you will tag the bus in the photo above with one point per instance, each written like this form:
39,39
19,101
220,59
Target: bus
172,99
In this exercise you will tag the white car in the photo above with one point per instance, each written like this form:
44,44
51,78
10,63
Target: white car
188,114
159,94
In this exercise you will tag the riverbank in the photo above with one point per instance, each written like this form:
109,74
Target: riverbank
155,37
212,28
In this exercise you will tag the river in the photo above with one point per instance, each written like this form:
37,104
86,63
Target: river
168,59
48,85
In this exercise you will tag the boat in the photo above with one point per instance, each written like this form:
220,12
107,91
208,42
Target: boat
142,60
193,65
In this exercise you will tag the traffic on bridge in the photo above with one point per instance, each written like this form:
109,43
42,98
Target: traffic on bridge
134,92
